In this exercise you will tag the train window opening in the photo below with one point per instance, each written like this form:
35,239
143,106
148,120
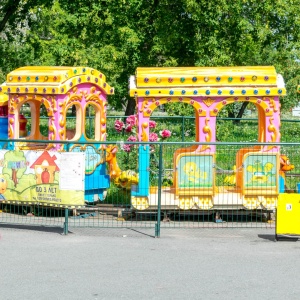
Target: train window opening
25,120
237,122
185,128
73,122
44,121
182,127
241,123
28,120
92,122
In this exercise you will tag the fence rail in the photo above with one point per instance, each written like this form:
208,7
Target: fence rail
183,128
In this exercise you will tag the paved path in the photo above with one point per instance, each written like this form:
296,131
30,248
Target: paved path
130,264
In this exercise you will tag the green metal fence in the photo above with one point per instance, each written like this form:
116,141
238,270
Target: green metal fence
183,128
116,209
228,129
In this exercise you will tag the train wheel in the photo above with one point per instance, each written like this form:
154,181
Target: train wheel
140,203
186,203
204,202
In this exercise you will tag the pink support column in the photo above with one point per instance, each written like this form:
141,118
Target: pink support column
143,122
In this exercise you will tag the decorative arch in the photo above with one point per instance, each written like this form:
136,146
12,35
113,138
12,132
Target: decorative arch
256,101
148,108
99,122
15,104
94,99
73,98
63,121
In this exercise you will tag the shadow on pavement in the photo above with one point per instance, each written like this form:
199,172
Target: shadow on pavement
270,237
143,233
57,230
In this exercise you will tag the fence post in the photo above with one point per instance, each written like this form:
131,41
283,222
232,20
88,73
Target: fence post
66,223
160,164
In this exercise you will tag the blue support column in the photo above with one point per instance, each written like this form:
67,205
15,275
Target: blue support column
142,189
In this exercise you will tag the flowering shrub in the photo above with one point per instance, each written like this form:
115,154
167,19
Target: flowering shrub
129,128
131,121
165,133
132,138
152,124
119,125
128,147
153,137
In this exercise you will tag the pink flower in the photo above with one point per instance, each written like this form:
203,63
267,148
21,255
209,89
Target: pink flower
127,148
132,138
131,120
128,128
152,124
119,125
153,137
165,133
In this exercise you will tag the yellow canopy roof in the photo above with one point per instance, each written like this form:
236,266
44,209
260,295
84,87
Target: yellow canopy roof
207,80
3,96
55,80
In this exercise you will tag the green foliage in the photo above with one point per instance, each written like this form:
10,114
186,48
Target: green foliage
117,196
179,109
15,11
128,160
117,36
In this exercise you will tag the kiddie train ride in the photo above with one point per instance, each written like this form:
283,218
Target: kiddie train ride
207,90
58,89
258,177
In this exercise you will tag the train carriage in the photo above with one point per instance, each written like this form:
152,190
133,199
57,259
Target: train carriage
208,90
57,90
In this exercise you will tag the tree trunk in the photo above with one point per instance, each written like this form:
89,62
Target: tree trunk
231,115
8,11
241,112
130,108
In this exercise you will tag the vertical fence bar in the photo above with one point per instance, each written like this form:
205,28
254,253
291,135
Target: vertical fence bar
182,129
157,225
66,223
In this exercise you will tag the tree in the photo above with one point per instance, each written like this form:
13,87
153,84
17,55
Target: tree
15,22
15,11
117,36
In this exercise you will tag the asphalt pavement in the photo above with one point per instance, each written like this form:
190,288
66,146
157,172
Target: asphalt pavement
90,263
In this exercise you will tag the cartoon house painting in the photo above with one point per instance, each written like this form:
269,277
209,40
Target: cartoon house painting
45,168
